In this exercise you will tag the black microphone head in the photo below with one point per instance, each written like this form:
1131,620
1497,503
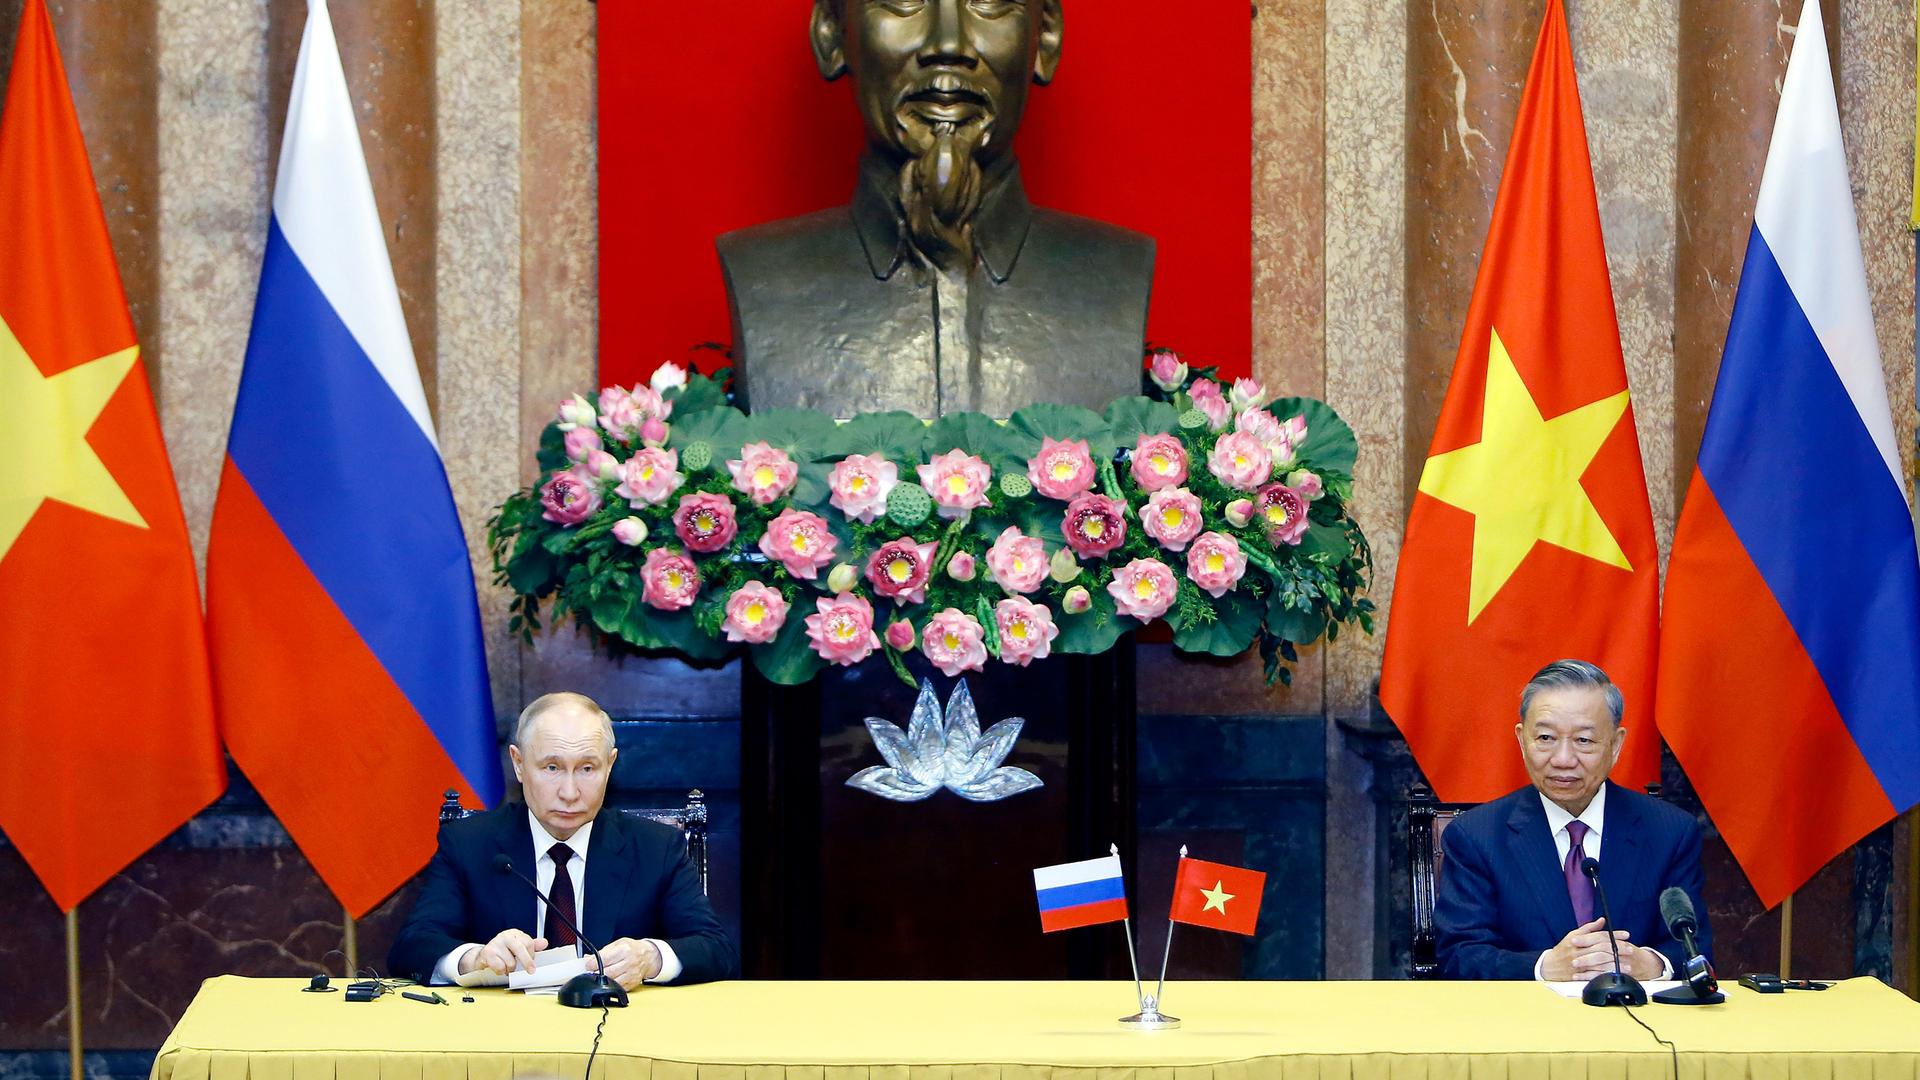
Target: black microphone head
1590,866
1676,908
502,862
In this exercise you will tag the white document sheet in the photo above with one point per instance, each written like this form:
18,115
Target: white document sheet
550,968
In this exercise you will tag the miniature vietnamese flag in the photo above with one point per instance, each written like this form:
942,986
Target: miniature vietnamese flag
1218,896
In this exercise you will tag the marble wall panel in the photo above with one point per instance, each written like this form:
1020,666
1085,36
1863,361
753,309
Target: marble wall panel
1289,220
478,290
213,224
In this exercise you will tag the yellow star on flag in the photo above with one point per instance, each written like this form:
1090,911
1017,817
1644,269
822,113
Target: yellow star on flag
43,438
1217,898
1521,481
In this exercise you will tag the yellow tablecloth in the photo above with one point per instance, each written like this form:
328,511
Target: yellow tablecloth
266,1029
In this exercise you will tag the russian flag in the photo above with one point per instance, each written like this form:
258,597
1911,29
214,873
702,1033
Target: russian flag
349,673
1080,893
1789,683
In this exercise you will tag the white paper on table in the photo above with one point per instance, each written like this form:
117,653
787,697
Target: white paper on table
1572,989
551,967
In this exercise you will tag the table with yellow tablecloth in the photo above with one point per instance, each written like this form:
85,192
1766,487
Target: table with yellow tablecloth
267,1029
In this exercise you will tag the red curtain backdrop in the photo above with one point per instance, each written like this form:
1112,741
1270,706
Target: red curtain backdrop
713,117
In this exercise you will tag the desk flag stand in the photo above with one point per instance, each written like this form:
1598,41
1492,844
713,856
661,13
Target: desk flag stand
1150,1018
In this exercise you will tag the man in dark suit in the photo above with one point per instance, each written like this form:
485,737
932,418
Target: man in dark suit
1512,902
626,882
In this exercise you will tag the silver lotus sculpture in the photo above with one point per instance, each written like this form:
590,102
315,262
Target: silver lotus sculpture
950,752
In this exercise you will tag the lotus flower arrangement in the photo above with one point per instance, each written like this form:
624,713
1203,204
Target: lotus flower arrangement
665,520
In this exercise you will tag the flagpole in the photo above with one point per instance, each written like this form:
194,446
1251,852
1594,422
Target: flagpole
1786,937
350,942
1139,992
1160,987
74,1052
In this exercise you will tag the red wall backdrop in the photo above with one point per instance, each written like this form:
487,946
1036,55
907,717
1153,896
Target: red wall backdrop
712,117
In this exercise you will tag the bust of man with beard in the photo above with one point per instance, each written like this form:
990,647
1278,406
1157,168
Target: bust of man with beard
940,289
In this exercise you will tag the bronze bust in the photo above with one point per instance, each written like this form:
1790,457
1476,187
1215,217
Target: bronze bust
940,288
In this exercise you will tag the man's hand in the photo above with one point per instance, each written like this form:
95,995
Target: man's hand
1584,953
508,949
1642,962
629,962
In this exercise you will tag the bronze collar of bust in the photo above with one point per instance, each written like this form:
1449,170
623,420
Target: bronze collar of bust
999,227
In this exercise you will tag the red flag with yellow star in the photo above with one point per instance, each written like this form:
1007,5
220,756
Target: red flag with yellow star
107,737
1530,539
1217,895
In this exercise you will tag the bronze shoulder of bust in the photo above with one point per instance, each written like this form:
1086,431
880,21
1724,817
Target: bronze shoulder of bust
939,288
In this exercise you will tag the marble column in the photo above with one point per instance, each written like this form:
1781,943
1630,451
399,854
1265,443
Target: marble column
1466,66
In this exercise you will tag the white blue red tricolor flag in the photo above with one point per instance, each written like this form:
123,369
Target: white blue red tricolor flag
1080,893
349,673
1789,683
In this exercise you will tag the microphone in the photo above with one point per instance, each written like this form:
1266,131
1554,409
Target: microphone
1614,987
589,989
1701,988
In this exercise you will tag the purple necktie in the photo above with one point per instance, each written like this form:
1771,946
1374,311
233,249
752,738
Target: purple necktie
1579,889
558,932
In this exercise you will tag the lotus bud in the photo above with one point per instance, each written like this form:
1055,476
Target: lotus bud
654,432
1077,600
900,635
668,376
1063,567
1239,512
961,566
630,531
842,578
576,412
1167,370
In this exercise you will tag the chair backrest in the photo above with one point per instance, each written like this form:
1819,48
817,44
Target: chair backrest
690,819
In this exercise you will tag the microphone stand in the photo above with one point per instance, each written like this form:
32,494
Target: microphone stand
1699,987
589,989
1614,987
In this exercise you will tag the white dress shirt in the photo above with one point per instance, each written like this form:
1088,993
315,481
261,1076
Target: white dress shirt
1595,817
448,969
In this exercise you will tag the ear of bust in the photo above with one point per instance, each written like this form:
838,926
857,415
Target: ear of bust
1046,59
829,48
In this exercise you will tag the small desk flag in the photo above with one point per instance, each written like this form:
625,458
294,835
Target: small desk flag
1218,896
1080,893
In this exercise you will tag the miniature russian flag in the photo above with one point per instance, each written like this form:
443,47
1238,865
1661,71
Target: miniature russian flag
1080,893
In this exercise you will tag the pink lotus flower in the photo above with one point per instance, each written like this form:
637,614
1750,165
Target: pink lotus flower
653,432
1259,423
900,635
957,481
630,531
841,629
1247,394
955,642
620,414
1017,562
1284,512
1166,369
860,486
755,614
1172,517
799,541
1144,589
1239,512
762,473
569,498
1077,601
1240,461
576,412
649,477
705,522
1216,563
580,441
601,465
899,569
667,376
1094,525
650,403
669,580
961,566
1159,461
1026,631
1286,447
1208,399
1306,483
1061,470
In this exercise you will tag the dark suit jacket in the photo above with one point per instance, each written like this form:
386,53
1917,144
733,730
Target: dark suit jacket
639,885
1502,898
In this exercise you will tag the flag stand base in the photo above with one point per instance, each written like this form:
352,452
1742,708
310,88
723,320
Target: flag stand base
1149,1018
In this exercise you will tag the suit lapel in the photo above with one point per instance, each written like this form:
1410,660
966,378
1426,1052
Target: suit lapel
609,864
1620,862
514,839
1533,851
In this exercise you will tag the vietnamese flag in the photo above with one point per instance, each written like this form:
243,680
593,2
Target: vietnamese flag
1217,896
107,737
1530,538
